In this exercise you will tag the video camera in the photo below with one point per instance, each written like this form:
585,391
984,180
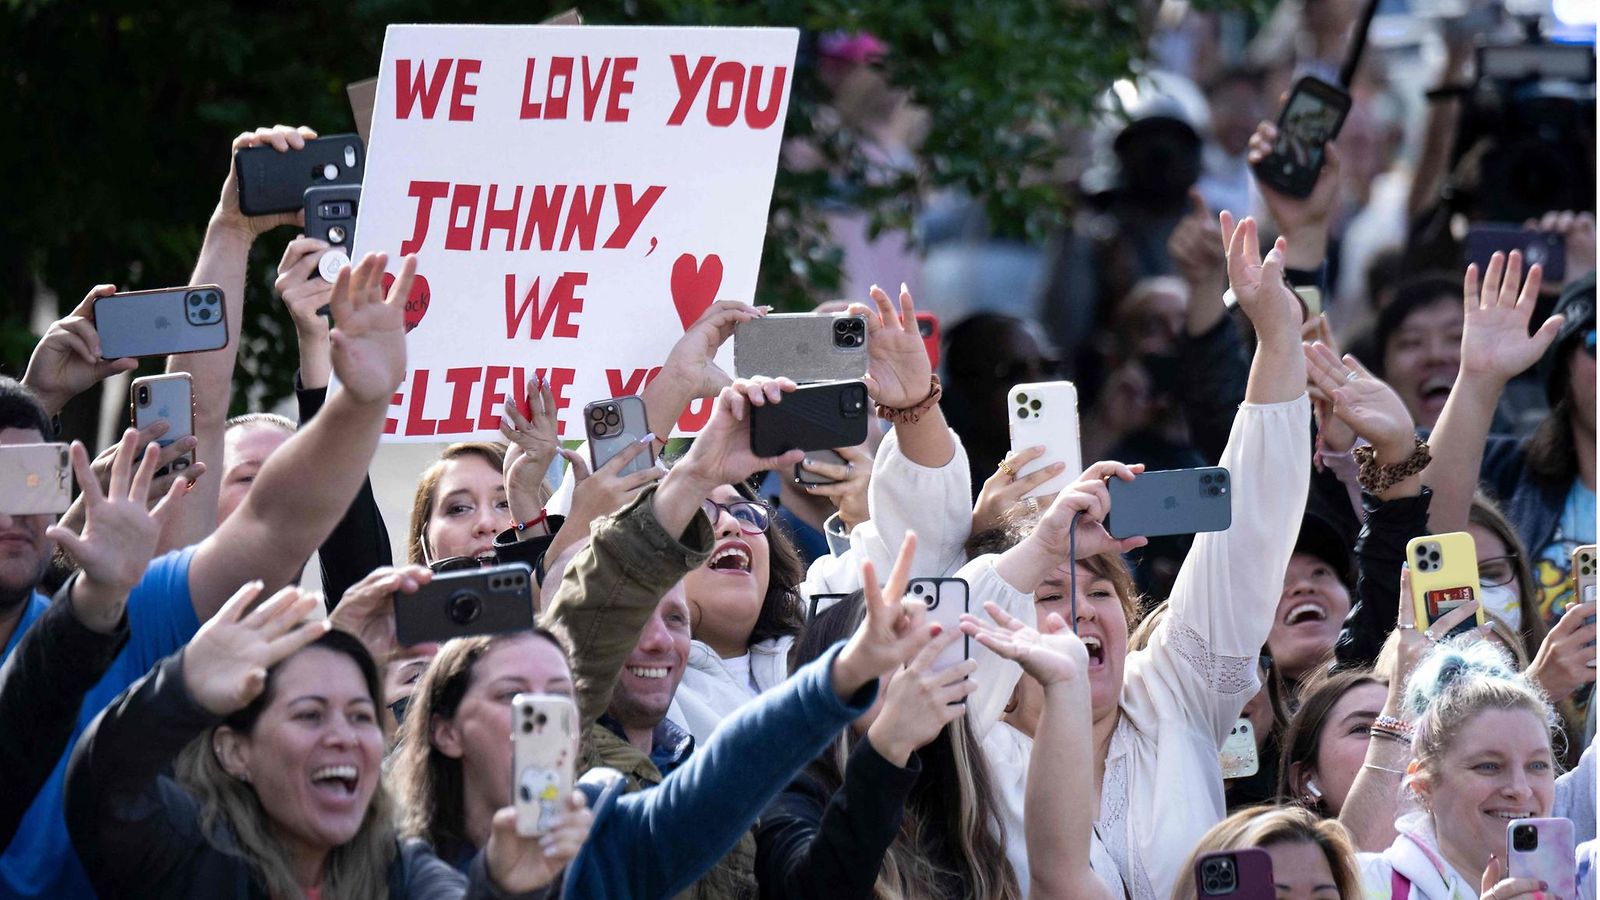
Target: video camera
1529,121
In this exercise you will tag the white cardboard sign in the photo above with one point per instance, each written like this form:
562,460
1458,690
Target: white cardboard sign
575,197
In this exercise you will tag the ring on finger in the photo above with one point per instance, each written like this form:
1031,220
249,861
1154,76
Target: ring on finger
1006,467
1351,375
1432,638
1033,506
1408,628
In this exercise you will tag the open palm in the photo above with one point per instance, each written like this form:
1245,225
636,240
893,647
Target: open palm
898,369
1050,653
369,342
1360,399
225,666
1494,338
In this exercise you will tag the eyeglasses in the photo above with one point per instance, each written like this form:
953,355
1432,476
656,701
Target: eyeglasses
753,516
1497,570
462,563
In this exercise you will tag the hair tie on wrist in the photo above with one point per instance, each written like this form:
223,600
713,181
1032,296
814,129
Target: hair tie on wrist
911,414
1376,478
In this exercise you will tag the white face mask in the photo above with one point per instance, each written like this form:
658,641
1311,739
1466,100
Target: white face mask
1504,603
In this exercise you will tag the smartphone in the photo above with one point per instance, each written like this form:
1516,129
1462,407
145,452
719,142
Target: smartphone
161,322
490,600
1239,756
1312,117
544,756
1239,874
1172,501
1045,413
271,181
331,216
928,327
1444,575
169,397
802,347
821,602
1548,249
1544,849
813,417
1583,581
35,479
805,476
947,599
613,426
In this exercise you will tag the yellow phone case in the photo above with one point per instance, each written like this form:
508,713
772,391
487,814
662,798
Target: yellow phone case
1583,573
1444,575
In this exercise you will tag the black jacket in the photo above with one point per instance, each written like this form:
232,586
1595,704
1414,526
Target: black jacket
812,843
42,686
139,833
360,542
1380,550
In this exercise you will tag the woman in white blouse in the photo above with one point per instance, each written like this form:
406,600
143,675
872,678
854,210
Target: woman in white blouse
1161,714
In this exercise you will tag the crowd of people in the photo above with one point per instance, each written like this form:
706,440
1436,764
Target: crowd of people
761,710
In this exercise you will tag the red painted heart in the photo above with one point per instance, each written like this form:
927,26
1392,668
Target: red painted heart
694,286
417,303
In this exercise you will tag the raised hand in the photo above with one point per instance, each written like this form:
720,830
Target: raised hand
1259,285
1293,215
1494,884
1416,640
892,632
898,370
225,665
367,608
520,864
1362,401
1001,491
692,360
1051,653
1089,496
66,361
721,452
1494,339
919,702
532,447
604,492
281,138
101,465
369,336
119,532
304,291
850,482
1195,247
1565,661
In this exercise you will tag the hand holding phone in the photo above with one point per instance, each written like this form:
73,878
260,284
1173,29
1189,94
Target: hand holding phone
275,181
1312,117
331,217
491,600
615,425
1045,414
170,399
1240,758
947,600
1544,850
813,417
35,479
162,322
1444,575
802,347
1176,501
544,742
69,360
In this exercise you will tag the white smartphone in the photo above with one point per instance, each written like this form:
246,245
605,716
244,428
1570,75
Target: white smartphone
35,479
544,757
947,599
169,397
1239,757
1045,414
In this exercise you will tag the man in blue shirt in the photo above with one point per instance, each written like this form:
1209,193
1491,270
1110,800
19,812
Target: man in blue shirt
299,495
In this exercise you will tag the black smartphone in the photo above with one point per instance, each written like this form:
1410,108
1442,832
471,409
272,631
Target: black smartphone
1312,117
812,417
1545,248
271,181
331,216
1175,501
491,600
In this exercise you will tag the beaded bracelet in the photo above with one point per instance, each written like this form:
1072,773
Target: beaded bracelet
1376,478
1399,726
1386,734
536,520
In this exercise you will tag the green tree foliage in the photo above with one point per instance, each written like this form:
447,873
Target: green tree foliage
121,114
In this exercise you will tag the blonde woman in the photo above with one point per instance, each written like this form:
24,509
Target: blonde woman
1312,858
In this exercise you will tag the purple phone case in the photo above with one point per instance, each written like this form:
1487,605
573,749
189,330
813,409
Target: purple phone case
1554,861
1253,875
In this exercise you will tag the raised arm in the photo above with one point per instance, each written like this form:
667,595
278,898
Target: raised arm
1060,804
224,258
691,371
1495,347
306,486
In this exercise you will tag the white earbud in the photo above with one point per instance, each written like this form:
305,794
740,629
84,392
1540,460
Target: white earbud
1313,790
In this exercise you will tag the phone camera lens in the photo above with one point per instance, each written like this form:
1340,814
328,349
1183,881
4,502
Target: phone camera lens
597,413
1205,479
144,395
336,234
1022,412
464,607
1034,405
1524,838
612,420
1022,398
527,727
204,314
541,720
195,299
916,589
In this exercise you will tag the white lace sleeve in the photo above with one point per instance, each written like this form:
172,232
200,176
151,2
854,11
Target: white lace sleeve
1201,662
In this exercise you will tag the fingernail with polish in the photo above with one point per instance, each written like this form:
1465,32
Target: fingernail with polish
648,437
935,629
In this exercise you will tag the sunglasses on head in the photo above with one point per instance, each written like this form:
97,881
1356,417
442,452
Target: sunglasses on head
753,516
462,563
